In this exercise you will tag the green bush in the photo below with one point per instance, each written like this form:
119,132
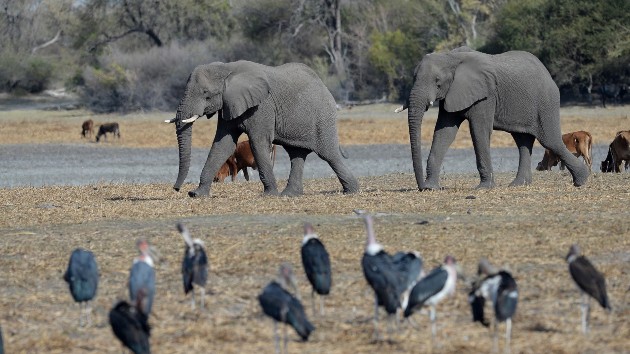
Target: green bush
24,74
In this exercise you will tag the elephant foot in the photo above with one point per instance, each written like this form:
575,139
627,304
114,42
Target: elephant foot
431,186
271,193
291,192
580,179
520,182
199,192
485,185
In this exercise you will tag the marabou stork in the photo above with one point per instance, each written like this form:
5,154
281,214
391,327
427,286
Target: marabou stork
498,287
430,290
391,277
590,281
130,324
278,303
316,264
142,276
82,279
194,265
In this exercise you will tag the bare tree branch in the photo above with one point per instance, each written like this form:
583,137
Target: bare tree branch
50,42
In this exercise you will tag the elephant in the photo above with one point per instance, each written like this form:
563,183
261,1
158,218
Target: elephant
286,105
512,92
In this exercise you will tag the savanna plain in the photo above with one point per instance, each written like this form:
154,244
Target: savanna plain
526,229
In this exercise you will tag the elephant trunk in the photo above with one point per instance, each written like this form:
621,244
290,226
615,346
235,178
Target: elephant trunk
184,141
415,116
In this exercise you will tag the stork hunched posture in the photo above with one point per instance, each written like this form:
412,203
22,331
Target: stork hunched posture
130,324
590,281
82,279
142,276
391,277
499,287
278,303
194,265
316,264
430,290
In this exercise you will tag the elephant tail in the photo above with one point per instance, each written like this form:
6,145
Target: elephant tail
343,152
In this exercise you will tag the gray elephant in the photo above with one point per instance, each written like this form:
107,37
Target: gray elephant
286,105
512,92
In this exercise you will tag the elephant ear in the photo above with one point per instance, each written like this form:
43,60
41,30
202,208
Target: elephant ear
472,82
243,91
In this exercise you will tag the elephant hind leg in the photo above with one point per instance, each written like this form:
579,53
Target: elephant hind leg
333,156
295,184
524,142
578,170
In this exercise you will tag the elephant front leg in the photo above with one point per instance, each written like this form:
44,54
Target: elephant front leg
295,184
480,131
525,142
260,150
222,147
446,129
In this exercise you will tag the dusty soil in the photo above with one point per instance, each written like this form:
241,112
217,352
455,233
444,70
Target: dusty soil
374,124
528,230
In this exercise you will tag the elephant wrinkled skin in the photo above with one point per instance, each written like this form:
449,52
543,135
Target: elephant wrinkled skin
286,105
512,92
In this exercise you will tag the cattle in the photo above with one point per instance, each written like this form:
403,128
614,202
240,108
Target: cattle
87,128
240,160
108,128
618,152
579,144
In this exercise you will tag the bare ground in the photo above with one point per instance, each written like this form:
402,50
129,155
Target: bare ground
527,229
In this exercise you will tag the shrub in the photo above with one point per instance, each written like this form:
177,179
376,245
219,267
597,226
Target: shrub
24,73
151,80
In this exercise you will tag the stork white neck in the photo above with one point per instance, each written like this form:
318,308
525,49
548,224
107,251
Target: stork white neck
308,237
144,258
373,249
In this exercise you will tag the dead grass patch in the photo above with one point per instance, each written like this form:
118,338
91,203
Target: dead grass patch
374,124
528,229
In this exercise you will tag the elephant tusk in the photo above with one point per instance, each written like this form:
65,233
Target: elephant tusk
191,119
399,109
172,120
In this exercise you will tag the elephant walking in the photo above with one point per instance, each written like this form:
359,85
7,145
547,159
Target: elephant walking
512,92
286,105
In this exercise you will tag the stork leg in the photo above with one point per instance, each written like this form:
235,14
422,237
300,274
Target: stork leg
432,317
203,298
80,314
192,302
376,336
321,305
285,339
276,339
508,335
88,314
585,312
313,301
495,337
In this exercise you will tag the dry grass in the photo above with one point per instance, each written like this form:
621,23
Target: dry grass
528,229
375,124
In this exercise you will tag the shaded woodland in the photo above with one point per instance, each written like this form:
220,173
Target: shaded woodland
127,55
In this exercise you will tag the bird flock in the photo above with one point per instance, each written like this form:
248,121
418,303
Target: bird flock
399,281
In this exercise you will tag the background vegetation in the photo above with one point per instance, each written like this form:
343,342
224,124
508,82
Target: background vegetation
126,55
